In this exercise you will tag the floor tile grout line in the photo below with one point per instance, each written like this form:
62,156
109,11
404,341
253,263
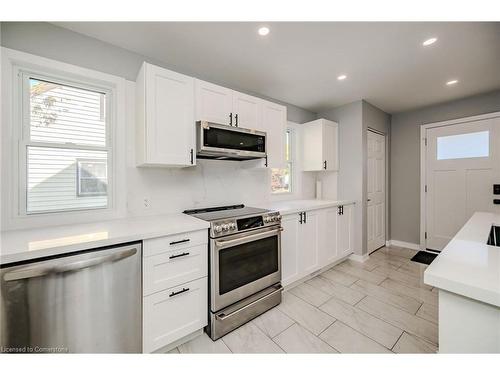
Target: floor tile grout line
399,338
295,321
362,333
385,320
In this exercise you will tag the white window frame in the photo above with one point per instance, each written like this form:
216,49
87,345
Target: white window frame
15,137
25,142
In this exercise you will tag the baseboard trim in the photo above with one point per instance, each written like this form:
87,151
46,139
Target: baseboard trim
408,245
359,258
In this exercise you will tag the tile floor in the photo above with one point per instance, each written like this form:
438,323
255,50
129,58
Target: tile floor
380,306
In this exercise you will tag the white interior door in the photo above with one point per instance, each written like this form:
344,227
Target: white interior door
462,164
376,191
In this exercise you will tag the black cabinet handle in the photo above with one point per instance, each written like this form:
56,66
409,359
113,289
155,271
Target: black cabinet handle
178,255
236,119
231,118
178,242
301,220
305,217
192,157
324,165
179,292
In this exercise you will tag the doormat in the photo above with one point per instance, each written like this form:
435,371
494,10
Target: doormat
424,257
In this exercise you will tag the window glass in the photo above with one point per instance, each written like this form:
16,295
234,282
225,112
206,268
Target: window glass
66,148
281,179
461,146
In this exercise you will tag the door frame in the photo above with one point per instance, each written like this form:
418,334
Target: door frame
386,199
423,161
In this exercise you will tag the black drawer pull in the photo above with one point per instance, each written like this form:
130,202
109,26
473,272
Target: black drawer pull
179,292
178,255
178,242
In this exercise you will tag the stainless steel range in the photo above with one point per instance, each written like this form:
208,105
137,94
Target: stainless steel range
244,264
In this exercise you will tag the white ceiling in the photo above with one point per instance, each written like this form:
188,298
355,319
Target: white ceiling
298,62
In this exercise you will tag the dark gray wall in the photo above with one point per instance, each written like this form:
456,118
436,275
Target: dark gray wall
405,157
47,40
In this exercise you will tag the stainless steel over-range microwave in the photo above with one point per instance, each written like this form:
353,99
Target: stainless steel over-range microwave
217,141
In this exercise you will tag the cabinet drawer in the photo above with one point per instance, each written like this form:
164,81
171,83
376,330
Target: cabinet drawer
179,241
174,313
172,268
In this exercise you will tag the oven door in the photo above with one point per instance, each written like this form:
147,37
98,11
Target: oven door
244,264
229,142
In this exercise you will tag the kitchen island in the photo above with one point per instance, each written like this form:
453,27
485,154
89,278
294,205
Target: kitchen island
467,274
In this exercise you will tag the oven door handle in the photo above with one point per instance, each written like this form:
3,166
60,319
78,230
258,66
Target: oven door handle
221,244
223,317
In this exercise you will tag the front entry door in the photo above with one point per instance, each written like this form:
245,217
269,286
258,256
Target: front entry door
462,164
376,191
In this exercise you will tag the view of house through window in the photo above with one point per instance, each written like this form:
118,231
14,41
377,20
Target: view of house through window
66,147
281,179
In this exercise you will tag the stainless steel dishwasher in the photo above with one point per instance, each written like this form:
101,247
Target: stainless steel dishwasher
87,302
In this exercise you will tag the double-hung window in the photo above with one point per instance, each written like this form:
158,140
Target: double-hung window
281,178
65,150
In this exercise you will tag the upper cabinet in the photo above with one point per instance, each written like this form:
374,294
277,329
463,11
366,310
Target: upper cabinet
169,104
274,124
247,111
213,103
320,146
165,118
228,107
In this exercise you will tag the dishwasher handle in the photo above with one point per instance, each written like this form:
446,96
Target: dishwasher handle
29,272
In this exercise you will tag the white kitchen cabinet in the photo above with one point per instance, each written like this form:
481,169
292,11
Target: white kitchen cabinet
174,313
274,124
320,145
345,231
174,288
290,271
165,132
213,103
314,240
327,235
247,111
308,242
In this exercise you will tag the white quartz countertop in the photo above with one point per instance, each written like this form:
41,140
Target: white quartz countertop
294,206
20,245
467,265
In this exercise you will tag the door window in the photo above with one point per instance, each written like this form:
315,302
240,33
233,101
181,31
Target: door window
462,146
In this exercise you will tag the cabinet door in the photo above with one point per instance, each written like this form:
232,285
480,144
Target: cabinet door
312,146
308,243
344,232
290,249
169,129
330,148
274,124
327,235
213,103
170,315
247,111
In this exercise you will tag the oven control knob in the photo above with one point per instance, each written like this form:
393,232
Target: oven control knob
278,217
225,227
267,219
232,226
218,229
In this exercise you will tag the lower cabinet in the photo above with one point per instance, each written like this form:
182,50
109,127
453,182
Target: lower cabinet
175,288
171,314
314,239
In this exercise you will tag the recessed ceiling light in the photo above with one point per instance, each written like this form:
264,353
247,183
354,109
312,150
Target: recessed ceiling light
263,31
430,41
452,82
341,77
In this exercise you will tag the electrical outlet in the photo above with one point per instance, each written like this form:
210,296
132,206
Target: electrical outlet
146,203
